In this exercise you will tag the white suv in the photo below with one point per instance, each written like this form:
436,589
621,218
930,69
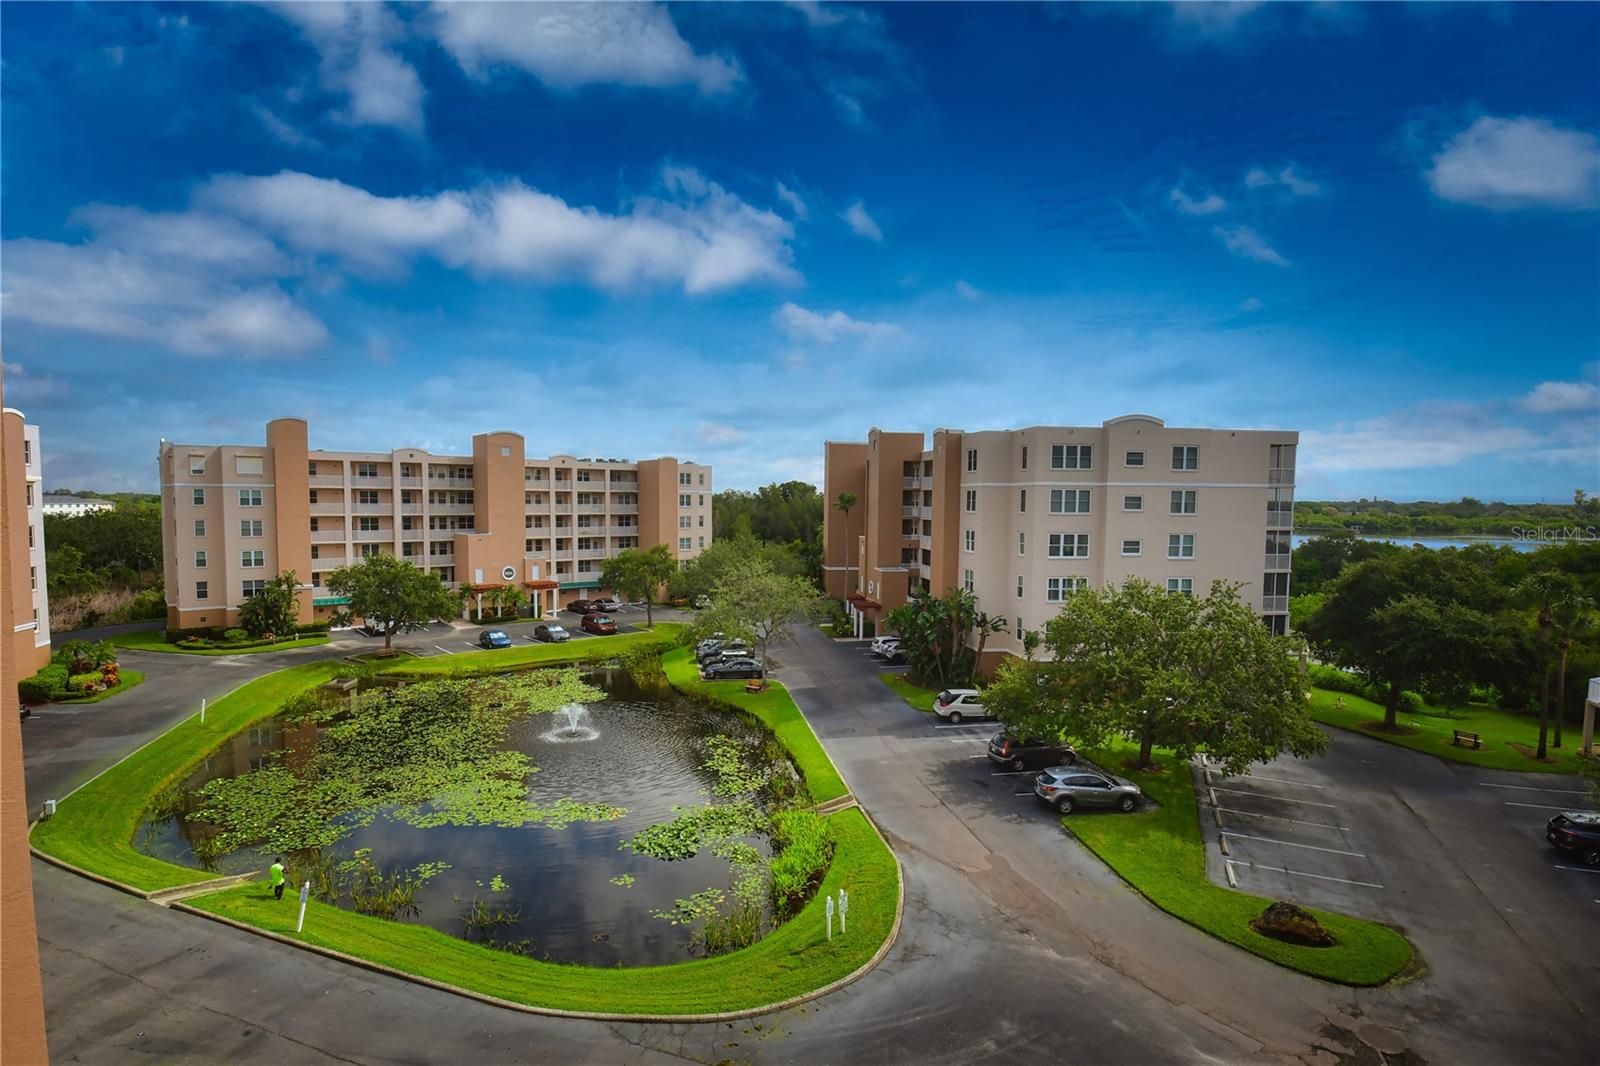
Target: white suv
954,704
886,646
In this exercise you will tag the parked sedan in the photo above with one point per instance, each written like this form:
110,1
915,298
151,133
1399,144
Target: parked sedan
1069,787
954,704
1007,749
1577,833
610,603
551,634
493,638
731,649
730,668
582,606
599,623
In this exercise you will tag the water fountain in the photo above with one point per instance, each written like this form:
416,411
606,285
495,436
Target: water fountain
572,726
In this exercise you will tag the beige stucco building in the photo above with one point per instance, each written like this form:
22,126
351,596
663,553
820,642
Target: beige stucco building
236,515
26,647
1021,517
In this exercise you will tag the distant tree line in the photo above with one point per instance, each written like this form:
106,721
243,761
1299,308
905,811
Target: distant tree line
104,567
1464,516
788,513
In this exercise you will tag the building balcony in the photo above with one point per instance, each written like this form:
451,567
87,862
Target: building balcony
436,481
926,513
1274,604
592,553
1280,476
327,559
372,535
910,512
327,481
410,482
1280,520
447,559
320,508
624,508
451,508
590,508
561,508
1277,561
412,534
624,484
623,531
379,481
378,508
327,536
411,508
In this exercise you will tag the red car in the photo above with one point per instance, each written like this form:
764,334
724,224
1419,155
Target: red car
599,624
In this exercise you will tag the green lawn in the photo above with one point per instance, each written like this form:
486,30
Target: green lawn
794,959
1499,730
919,697
155,640
129,678
776,710
1162,855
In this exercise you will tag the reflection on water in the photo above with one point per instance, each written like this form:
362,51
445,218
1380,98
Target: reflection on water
641,749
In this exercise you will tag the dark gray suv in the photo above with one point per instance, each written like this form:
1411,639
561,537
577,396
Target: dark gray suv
1069,787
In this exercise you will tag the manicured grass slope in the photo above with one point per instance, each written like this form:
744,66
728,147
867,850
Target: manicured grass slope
1162,855
127,679
1498,729
153,640
794,959
776,710
919,697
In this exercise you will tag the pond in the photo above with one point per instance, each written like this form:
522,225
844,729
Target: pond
525,870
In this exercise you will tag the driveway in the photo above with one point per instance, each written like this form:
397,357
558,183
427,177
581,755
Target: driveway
1014,941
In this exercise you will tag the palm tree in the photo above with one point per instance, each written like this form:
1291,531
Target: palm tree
1572,616
987,625
843,503
1543,590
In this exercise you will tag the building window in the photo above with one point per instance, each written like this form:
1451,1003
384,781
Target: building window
1185,457
249,527
368,523
199,527
702,478
1019,586
252,557
702,543
30,535
197,465
202,589
683,543
367,496
200,560
1183,501
1133,547
27,452
969,538
247,465
366,470
249,497
250,588
1133,503
701,522
1069,545
199,497
315,553
28,495
1069,501
33,578
311,468
683,521
1069,456
316,579
1133,459
684,500
1024,457
1180,546
1184,585
966,580
1022,544
1057,589
369,550
1022,501
972,501
685,479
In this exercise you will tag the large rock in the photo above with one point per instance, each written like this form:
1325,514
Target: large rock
1293,925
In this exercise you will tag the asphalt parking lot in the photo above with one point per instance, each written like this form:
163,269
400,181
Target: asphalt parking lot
443,638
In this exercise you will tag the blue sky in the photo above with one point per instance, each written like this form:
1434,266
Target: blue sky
730,232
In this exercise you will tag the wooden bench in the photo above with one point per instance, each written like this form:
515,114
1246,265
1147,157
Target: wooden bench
1462,737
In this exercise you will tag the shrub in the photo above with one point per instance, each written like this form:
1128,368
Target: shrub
47,685
83,683
805,847
234,635
1337,680
311,629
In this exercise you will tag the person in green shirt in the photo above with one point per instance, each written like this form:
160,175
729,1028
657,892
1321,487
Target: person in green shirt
275,876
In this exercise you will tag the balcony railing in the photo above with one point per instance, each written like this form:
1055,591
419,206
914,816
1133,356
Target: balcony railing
591,508
907,511
442,560
624,485
377,508
375,481
1280,476
372,534
443,481
451,508
328,508
327,536
926,512
1277,561
1274,604
410,482
412,534
624,508
411,508
1280,519
623,531
592,553
561,508
326,481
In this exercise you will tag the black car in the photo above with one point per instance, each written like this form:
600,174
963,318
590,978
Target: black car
730,668
1577,833
715,651
582,606
1007,749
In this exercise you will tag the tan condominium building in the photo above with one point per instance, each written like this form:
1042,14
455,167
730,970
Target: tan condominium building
29,616
1023,517
235,515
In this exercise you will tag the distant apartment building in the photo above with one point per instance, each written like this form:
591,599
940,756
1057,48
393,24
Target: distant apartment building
67,505
234,516
24,650
30,607
1021,518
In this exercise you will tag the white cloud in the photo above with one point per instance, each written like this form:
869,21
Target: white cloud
282,130
1209,204
1286,177
797,205
1213,18
966,291
570,45
802,324
1247,243
1250,303
1508,163
23,387
861,223
195,237
696,234
358,46
718,434
1551,397
1424,436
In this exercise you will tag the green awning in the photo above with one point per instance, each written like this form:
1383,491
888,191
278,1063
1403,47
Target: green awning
587,583
329,601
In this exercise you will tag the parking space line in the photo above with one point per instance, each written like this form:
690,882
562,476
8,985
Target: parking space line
1536,788
957,725
1301,873
1008,773
971,756
1577,869
1291,844
1023,793
1284,799
1274,780
1281,818
1536,806
447,651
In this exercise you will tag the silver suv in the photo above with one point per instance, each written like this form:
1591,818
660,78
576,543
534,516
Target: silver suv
1069,787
